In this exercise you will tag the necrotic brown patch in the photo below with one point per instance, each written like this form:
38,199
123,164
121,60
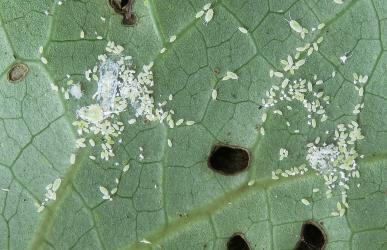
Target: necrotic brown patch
17,73
228,160
312,237
124,8
238,242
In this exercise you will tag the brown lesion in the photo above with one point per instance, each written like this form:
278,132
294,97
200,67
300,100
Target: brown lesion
17,72
124,8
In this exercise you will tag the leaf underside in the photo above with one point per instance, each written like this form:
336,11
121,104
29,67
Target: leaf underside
171,198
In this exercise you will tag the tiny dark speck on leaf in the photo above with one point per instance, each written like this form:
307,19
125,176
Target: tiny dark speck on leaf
17,73
124,8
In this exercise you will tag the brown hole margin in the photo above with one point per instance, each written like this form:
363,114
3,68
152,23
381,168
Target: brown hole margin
238,242
228,159
124,8
17,72
312,237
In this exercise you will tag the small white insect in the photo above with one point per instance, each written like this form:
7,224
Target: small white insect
214,94
105,193
43,60
230,75
296,26
162,51
132,121
82,34
72,159
145,241
179,122
126,168
172,39
199,14
305,202
207,6
243,30
56,184
209,15
190,123
169,143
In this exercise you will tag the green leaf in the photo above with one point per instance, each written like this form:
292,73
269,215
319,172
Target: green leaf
172,199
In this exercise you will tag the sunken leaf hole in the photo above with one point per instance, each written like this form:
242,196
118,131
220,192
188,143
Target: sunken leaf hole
312,237
228,160
124,8
17,73
237,242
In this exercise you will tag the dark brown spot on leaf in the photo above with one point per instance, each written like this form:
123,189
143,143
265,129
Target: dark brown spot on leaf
238,242
17,73
124,8
312,236
228,160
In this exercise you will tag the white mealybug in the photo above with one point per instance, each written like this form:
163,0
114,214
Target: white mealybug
82,34
163,50
338,1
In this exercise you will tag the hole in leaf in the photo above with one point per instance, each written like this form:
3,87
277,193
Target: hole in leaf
238,242
124,8
17,73
228,160
312,237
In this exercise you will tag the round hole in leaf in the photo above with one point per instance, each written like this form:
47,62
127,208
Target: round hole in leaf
17,72
228,160
312,237
238,242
